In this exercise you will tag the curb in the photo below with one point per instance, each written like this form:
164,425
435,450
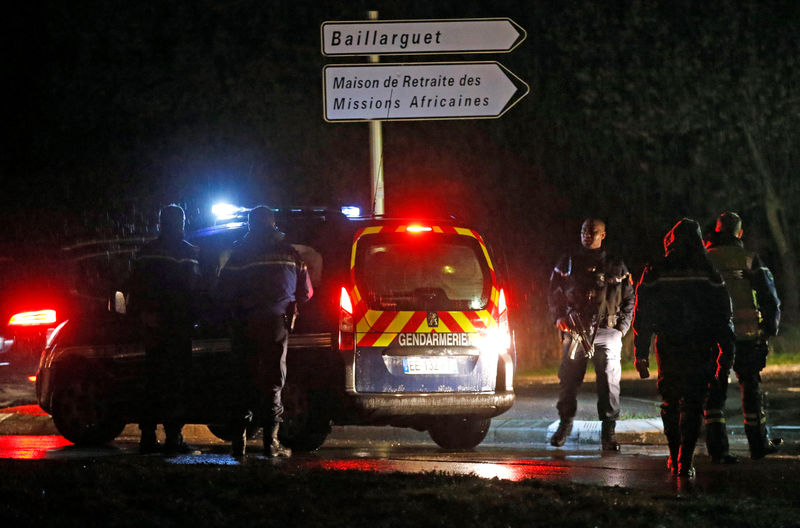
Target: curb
584,432
26,424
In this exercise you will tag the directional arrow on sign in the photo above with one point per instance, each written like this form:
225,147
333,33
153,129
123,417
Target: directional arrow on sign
406,37
393,92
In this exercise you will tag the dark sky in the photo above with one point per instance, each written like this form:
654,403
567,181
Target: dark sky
632,115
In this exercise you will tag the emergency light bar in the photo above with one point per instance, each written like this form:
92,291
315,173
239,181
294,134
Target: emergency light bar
351,211
224,211
418,229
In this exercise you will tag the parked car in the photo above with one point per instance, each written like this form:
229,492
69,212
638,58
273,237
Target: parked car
27,312
408,326
42,286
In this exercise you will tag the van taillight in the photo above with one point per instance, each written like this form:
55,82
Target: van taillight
501,303
505,328
346,335
345,303
36,318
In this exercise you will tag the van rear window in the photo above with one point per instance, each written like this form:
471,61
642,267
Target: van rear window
422,271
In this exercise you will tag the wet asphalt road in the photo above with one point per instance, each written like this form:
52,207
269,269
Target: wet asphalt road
348,448
384,449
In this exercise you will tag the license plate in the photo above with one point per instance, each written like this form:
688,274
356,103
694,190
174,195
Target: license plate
430,365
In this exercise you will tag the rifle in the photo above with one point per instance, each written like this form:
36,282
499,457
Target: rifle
290,317
580,336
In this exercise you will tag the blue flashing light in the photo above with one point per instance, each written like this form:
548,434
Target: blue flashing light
224,211
351,211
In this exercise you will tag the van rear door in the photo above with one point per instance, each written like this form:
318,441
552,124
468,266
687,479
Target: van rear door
425,309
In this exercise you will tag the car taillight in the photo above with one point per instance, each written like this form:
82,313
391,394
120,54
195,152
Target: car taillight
505,329
346,335
35,318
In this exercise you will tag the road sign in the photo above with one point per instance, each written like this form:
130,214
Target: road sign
407,37
393,92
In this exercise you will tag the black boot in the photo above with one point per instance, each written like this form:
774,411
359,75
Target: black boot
273,446
560,436
608,437
239,424
686,461
672,430
239,444
717,443
148,443
175,445
691,423
760,444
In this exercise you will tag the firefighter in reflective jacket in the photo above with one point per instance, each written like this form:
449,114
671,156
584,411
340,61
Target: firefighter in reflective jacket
683,302
756,316
162,286
592,290
261,284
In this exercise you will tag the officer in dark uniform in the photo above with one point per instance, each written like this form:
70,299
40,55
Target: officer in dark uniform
756,316
261,283
163,283
683,302
592,290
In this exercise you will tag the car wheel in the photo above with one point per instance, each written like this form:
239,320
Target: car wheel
306,421
224,433
82,412
459,432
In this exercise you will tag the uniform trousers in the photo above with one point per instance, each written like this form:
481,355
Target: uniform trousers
168,363
259,350
606,360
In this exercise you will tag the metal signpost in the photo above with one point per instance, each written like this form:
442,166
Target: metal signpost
377,92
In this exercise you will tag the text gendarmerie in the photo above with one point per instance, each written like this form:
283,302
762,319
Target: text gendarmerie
434,339
379,38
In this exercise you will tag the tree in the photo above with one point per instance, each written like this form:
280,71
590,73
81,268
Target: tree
696,100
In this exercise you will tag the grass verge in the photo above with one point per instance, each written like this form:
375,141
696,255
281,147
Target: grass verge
143,493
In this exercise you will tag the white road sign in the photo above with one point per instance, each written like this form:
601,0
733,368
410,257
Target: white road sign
391,92
406,37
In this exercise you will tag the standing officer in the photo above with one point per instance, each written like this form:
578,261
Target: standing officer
163,282
683,302
592,290
261,283
756,316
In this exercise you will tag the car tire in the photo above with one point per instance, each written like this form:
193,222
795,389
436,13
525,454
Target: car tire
82,412
224,433
459,432
306,420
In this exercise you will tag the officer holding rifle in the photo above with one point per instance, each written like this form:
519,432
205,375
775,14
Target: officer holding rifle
591,300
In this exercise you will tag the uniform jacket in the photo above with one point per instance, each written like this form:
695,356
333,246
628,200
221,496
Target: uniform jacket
163,283
756,306
262,277
682,298
597,286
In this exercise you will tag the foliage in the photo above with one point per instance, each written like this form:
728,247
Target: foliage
697,102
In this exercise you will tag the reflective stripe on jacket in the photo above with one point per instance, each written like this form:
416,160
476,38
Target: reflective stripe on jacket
164,278
262,277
